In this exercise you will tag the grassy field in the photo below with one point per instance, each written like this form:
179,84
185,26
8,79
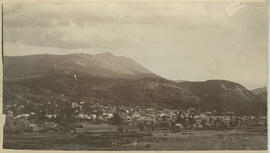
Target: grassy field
237,139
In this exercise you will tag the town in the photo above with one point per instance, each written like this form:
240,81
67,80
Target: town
63,116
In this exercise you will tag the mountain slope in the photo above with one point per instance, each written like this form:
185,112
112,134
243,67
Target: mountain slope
102,78
143,91
224,96
103,65
261,93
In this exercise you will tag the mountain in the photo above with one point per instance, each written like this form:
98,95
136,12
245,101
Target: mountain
102,65
261,93
109,79
224,95
258,91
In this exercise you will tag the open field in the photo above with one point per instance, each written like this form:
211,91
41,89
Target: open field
236,139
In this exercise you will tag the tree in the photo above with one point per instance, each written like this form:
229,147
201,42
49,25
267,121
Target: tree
116,119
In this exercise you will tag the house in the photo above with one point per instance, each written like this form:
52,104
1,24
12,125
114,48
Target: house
94,116
178,127
35,128
107,115
24,116
136,115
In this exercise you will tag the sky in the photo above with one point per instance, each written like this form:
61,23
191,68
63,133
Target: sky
192,41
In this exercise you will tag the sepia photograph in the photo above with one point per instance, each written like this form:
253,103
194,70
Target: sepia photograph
135,76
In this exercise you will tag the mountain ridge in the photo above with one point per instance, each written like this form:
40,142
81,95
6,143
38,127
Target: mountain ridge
105,64
78,79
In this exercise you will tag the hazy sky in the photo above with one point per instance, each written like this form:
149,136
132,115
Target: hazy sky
187,41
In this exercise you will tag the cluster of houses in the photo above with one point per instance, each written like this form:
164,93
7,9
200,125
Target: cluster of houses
82,117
